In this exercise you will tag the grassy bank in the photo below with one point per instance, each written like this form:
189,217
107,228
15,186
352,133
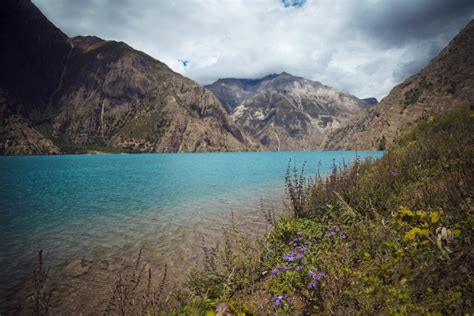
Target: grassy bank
392,236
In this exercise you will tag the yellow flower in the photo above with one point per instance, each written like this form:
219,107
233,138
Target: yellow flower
411,234
421,214
435,217
404,211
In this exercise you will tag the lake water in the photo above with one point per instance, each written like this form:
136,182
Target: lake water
89,213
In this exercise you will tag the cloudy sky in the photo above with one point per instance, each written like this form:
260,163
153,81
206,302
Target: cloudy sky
362,46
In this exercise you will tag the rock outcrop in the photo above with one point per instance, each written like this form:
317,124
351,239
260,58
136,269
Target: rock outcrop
17,137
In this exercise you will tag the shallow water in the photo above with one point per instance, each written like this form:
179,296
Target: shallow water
89,212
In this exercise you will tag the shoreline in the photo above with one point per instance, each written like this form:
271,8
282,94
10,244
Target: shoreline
98,152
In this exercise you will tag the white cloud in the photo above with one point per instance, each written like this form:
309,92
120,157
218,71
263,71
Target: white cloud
356,45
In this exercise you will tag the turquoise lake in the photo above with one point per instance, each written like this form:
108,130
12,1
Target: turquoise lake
89,213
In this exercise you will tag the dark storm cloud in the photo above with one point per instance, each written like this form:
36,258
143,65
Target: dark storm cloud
395,23
424,25
362,46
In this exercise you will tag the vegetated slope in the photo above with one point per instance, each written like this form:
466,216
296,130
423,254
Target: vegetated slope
446,81
85,94
392,236
114,96
285,112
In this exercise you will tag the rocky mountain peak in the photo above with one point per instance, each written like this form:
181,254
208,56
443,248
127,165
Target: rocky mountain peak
285,74
370,101
285,112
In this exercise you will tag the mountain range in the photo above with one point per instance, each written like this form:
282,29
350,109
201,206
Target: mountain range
86,94
284,112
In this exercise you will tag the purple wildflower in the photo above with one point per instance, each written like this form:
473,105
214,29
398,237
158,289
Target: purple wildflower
278,300
284,267
320,275
393,173
298,239
292,257
316,275
298,268
289,257
335,230
222,309
301,249
275,272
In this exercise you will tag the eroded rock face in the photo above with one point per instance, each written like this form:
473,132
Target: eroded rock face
445,82
232,92
87,94
17,137
285,112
